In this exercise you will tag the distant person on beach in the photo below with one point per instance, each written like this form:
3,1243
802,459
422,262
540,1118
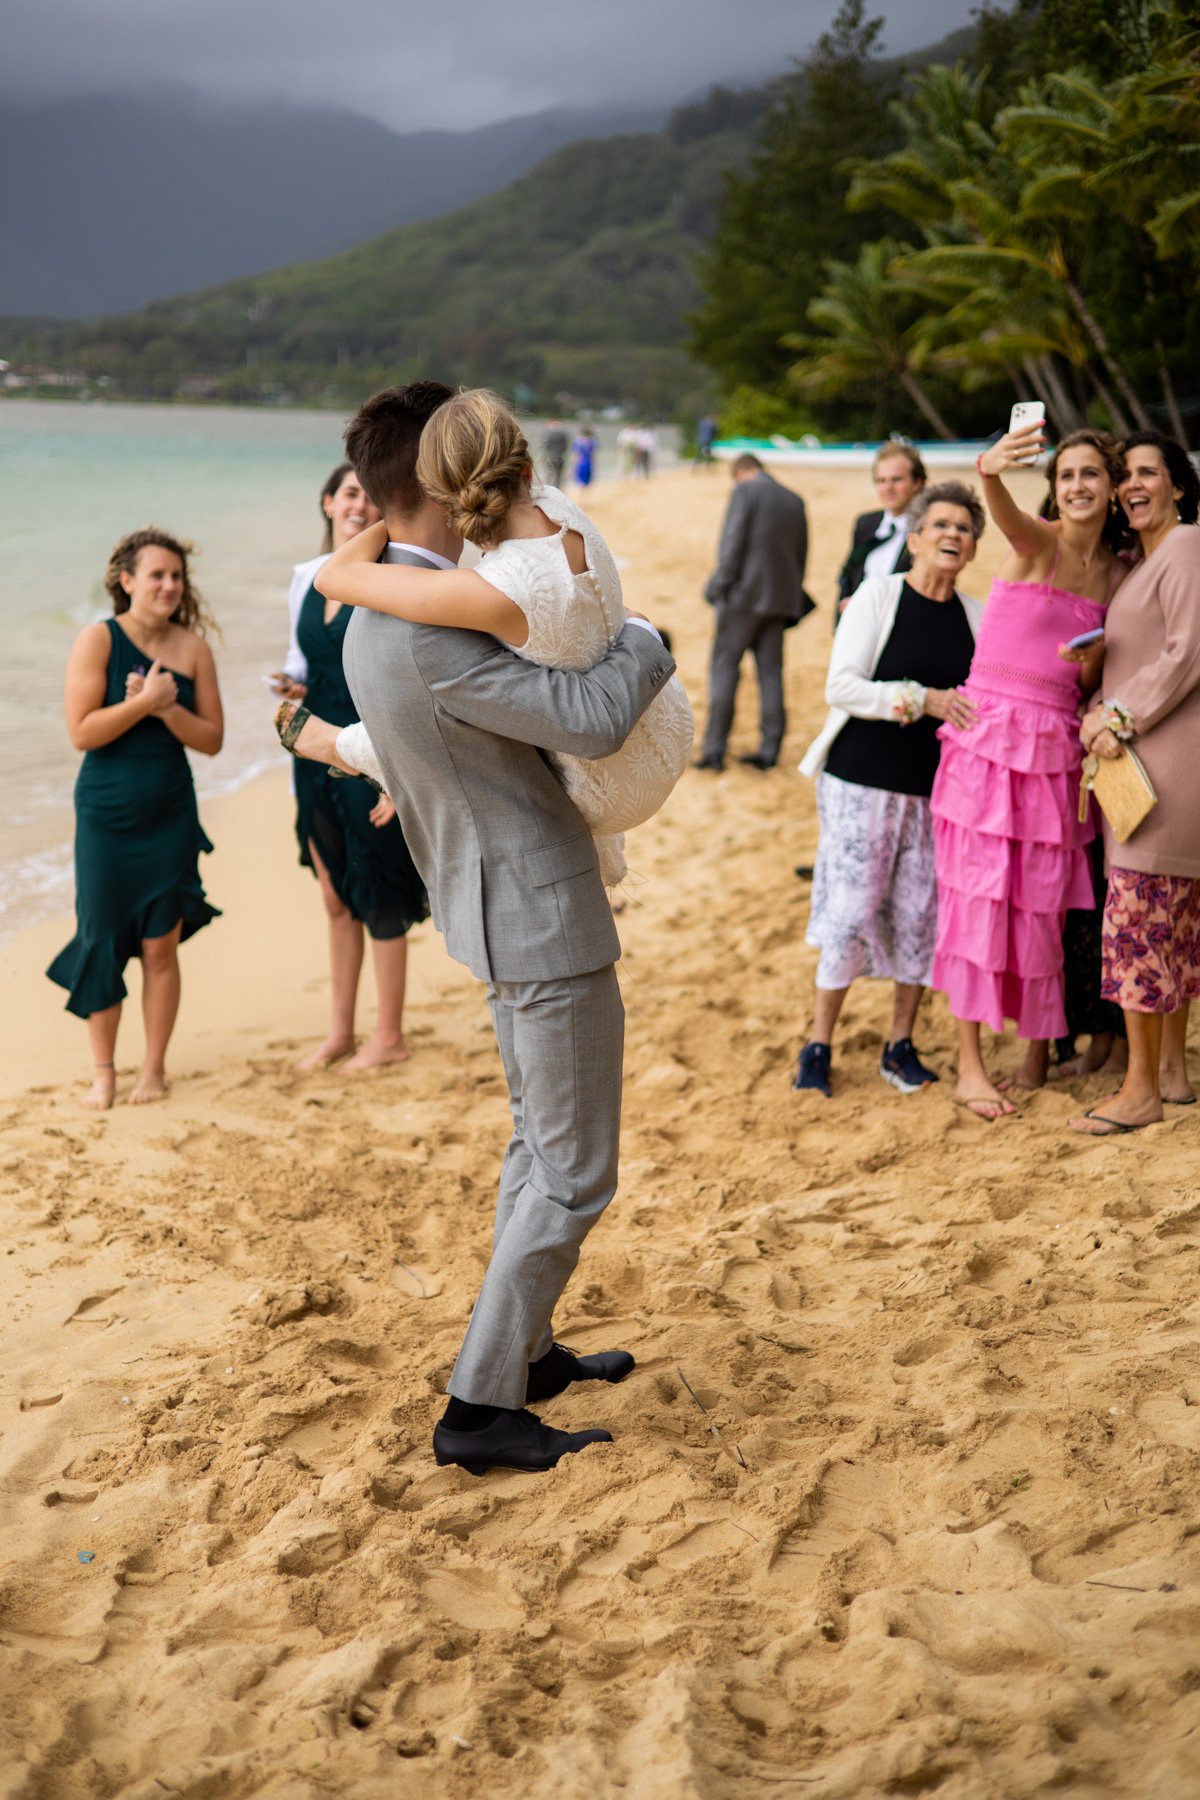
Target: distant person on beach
706,437
1012,852
899,659
879,542
460,724
1151,687
645,449
757,590
584,451
348,836
140,687
554,452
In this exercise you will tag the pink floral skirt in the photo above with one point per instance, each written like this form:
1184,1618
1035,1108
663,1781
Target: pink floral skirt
1151,941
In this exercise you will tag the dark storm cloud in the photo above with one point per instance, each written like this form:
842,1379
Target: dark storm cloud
413,63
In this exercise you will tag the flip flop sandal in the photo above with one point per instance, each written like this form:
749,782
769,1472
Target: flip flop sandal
1116,1127
289,729
1190,1101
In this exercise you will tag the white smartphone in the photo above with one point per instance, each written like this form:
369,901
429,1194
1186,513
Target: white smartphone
1024,414
1085,637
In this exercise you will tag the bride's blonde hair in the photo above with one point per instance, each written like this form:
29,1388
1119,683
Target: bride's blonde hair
471,459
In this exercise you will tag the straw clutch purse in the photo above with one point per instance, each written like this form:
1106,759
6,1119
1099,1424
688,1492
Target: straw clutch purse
1122,788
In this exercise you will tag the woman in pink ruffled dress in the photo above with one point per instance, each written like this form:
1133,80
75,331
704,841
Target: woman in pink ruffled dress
1010,850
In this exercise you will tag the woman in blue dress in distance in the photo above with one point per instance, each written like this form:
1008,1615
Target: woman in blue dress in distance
141,686
348,835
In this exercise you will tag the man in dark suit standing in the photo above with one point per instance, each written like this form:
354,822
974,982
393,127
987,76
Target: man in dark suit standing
880,542
758,591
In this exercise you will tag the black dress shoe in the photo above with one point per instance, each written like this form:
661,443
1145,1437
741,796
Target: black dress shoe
715,763
555,1371
757,761
516,1440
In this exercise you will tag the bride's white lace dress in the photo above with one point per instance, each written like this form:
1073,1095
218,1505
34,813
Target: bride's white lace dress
574,620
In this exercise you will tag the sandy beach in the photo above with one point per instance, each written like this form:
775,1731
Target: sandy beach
902,1497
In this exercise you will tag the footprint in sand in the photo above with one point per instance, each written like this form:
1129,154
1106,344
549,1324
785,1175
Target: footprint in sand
853,1500
474,1598
632,1554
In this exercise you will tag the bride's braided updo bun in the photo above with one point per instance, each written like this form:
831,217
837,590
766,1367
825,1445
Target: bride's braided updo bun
471,460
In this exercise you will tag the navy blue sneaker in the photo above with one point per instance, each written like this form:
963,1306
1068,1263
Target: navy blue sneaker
813,1072
901,1065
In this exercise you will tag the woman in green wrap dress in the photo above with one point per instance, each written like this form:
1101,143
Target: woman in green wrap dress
140,687
348,834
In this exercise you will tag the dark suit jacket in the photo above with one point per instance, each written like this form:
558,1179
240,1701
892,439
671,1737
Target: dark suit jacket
864,540
763,553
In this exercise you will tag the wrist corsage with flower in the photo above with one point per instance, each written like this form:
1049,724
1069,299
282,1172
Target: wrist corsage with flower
1117,718
908,703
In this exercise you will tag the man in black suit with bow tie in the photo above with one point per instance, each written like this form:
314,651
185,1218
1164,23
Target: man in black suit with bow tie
880,542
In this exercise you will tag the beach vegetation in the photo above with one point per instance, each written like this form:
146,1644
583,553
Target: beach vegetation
1044,240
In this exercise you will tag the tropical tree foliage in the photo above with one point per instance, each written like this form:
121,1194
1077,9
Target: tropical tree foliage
1051,212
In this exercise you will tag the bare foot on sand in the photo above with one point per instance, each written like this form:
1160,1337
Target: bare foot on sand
102,1092
1030,1073
317,739
331,1051
151,1085
986,1103
375,1053
1115,1116
1098,1055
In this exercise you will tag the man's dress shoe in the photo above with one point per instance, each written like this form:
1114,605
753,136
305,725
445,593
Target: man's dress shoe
757,761
516,1440
715,763
555,1371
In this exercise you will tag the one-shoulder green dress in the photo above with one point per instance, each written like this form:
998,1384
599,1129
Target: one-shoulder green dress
137,840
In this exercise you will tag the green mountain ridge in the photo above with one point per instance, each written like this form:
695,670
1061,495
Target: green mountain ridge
572,285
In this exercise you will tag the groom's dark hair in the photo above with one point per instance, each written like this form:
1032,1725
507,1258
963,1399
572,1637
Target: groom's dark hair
382,441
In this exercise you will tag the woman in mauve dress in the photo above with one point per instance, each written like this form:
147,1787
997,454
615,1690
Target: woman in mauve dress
1151,940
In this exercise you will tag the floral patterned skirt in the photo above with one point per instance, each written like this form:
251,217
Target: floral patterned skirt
874,898
1151,941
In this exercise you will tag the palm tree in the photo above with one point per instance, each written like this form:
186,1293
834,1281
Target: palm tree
984,216
1131,149
872,329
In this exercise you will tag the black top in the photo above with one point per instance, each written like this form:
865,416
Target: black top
931,642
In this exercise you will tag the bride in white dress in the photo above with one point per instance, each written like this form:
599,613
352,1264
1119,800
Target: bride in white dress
546,585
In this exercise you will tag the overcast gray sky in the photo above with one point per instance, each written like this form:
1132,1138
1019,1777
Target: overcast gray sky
415,63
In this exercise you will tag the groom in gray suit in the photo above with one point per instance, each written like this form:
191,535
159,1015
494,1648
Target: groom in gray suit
459,723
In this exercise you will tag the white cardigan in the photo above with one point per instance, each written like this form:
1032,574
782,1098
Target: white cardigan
861,639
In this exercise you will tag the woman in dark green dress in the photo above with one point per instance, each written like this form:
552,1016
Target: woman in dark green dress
140,686
348,835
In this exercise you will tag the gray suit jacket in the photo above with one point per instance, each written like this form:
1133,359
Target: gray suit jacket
457,720
763,553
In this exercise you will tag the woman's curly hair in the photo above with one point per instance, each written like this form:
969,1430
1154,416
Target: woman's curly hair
472,458
191,612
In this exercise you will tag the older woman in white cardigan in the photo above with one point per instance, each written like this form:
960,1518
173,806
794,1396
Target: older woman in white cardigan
902,650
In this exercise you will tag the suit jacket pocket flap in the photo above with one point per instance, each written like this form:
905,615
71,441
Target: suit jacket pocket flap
558,862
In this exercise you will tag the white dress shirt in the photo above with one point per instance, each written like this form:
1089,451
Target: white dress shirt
891,535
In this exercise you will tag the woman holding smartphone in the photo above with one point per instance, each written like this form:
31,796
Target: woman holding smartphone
141,690
1010,851
348,833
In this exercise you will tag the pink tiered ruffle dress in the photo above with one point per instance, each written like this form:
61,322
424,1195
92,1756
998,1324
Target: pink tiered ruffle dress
1008,847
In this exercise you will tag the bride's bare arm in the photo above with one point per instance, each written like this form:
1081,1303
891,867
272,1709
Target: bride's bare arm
456,597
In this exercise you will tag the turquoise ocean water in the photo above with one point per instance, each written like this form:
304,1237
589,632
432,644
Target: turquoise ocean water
242,484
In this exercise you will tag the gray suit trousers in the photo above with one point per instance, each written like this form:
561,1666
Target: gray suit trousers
561,1042
736,633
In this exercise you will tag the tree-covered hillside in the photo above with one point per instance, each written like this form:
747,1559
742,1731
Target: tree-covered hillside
575,280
